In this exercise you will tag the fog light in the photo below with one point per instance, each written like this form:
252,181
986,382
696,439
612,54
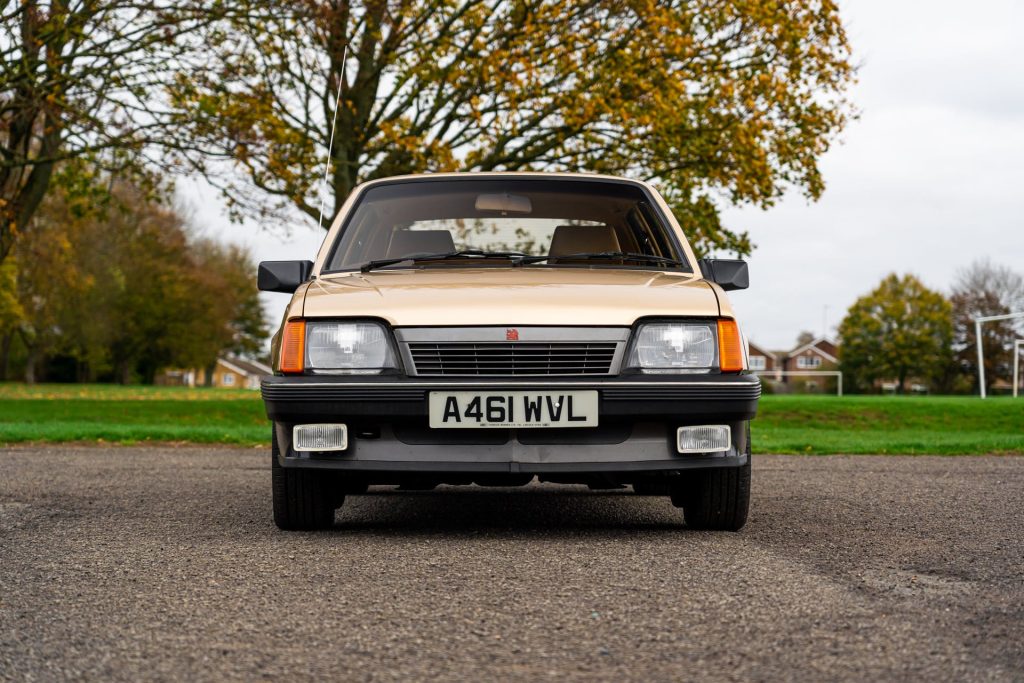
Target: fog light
320,437
704,439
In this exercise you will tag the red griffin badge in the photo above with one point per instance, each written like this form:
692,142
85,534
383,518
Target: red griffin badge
511,334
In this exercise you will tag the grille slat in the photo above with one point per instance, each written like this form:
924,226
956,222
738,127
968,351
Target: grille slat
499,359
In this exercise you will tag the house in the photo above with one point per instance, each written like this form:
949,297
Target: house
783,369
229,372
238,373
819,354
762,360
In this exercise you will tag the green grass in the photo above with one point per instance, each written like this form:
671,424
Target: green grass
132,414
911,425
785,424
117,392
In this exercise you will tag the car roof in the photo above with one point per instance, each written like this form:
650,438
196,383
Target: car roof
497,175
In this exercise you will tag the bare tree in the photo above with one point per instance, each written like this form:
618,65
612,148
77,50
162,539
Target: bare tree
80,93
983,289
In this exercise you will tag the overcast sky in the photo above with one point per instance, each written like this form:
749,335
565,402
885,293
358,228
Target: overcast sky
928,179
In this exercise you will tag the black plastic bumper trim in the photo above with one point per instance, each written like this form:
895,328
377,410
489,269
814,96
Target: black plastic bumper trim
702,462
734,388
313,392
393,400
702,393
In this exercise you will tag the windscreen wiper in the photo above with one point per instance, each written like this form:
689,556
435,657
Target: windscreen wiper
465,253
623,255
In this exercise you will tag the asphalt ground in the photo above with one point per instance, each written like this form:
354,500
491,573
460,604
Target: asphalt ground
163,564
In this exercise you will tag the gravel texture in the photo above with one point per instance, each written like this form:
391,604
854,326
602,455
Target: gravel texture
163,564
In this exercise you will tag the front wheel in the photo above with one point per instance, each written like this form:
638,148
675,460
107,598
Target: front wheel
716,498
304,499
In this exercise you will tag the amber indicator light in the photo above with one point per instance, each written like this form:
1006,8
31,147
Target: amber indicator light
730,350
293,346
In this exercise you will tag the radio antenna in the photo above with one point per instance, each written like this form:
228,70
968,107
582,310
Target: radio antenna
334,126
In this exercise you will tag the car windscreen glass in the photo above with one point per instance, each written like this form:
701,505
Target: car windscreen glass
570,222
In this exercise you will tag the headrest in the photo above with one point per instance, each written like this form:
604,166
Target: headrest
410,242
583,239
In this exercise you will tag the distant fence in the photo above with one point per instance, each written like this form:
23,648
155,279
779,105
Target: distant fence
778,374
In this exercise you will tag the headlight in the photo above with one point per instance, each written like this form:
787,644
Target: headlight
348,348
674,348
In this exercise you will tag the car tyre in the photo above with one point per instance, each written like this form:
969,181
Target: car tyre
716,498
304,499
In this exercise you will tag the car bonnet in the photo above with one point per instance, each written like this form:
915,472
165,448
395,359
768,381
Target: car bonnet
527,295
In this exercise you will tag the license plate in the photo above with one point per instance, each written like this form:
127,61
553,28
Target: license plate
475,409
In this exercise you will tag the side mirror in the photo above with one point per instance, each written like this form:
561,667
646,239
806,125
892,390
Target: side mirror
727,273
283,276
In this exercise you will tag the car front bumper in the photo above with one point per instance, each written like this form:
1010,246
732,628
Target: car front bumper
387,422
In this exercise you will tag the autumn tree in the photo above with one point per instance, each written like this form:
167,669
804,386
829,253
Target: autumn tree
232,315
804,338
12,314
901,330
172,300
984,289
125,290
48,281
713,101
81,90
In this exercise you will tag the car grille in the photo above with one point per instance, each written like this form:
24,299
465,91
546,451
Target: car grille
512,358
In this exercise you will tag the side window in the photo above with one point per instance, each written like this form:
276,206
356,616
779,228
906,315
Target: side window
649,239
228,379
642,239
757,363
368,240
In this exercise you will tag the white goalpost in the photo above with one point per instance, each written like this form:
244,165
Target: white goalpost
1017,345
981,356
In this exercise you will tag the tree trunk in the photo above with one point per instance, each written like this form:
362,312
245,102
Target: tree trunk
25,181
901,381
81,370
208,379
123,372
21,202
5,356
90,372
30,365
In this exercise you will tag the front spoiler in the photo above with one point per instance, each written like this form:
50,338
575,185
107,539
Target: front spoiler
638,421
675,464
646,446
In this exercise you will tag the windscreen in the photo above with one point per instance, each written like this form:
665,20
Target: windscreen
566,220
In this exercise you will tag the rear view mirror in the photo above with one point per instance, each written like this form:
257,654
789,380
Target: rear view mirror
729,274
283,276
504,202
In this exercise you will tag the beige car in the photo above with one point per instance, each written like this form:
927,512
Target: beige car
497,328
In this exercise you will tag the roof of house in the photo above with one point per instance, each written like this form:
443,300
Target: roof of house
245,367
766,352
813,346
